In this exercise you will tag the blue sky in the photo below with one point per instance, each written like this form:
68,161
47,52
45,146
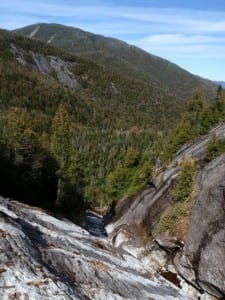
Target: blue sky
188,33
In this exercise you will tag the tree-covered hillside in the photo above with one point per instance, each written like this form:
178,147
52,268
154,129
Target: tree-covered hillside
120,56
62,147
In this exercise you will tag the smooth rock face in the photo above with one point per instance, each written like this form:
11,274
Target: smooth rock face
147,207
60,67
205,243
42,257
46,65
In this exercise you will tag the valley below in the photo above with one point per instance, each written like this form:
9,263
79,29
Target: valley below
44,256
112,171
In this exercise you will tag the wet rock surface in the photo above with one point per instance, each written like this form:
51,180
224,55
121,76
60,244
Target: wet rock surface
95,224
43,257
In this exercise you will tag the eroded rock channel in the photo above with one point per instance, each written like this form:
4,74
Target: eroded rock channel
43,257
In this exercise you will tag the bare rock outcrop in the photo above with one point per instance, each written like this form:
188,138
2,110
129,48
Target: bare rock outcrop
202,260
204,251
147,207
43,257
48,65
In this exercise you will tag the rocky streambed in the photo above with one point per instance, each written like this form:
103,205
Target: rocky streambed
43,257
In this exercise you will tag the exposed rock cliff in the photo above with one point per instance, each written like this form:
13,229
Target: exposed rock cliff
147,206
49,65
203,260
42,257
204,248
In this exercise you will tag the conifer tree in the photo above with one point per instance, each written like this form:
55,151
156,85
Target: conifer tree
61,146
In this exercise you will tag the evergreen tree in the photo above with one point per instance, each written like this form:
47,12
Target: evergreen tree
61,147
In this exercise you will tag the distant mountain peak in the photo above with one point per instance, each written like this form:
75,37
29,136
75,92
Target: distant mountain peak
121,57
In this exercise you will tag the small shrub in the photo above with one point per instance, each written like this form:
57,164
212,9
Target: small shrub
144,233
214,148
28,58
175,218
53,74
183,187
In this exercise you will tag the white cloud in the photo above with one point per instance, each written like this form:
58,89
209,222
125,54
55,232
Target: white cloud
141,20
179,39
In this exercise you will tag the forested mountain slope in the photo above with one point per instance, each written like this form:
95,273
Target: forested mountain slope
75,134
74,131
179,221
62,114
120,56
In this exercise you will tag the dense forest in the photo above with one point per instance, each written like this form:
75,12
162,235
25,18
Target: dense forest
121,57
66,149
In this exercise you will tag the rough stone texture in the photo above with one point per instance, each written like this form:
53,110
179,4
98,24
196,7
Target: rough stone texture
205,243
42,257
47,64
147,206
196,148
207,251
168,242
19,54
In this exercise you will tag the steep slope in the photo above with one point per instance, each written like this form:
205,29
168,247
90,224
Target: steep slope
109,98
43,257
140,208
65,125
113,121
190,230
108,114
204,247
122,57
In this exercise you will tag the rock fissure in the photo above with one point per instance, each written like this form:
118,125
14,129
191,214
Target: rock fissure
77,266
200,262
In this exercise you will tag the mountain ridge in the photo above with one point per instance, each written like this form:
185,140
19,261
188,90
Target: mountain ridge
119,126
119,55
110,114
80,134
